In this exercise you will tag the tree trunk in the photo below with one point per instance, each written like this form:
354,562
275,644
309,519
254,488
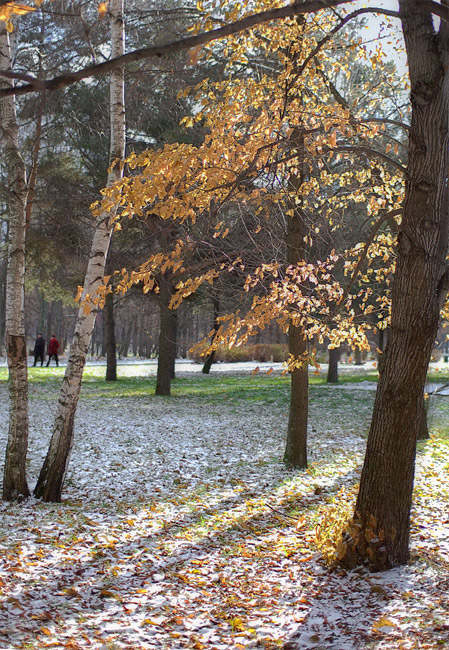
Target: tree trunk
136,328
211,357
167,339
2,304
332,371
126,339
380,531
295,454
296,448
109,334
51,479
423,429
14,479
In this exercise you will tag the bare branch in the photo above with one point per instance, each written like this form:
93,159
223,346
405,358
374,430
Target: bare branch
370,152
289,11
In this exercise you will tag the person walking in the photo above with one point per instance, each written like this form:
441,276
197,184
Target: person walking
39,349
53,348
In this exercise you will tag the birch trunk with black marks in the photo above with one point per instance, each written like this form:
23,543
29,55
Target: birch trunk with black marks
380,532
51,479
15,485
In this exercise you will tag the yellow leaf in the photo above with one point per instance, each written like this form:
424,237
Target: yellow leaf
382,622
46,631
9,26
102,9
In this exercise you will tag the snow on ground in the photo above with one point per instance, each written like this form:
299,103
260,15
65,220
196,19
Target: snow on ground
180,528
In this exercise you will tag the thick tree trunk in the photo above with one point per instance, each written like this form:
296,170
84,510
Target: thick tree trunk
211,357
423,428
380,532
51,479
109,334
14,478
167,339
332,370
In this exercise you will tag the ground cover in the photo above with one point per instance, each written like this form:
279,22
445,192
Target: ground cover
180,527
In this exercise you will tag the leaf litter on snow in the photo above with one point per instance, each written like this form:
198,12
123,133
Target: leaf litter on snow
180,528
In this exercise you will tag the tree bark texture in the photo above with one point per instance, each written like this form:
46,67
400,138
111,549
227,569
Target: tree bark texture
14,479
423,427
332,370
51,479
109,334
380,531
167,339
295,454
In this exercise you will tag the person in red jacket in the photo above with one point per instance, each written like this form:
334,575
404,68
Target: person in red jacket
53,347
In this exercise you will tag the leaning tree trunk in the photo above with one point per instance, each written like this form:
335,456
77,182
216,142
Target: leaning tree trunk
295,454
51,478
380,531
14,479
167,339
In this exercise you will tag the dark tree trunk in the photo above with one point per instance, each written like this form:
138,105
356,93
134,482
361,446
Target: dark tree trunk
358,357
332,371
380,531
296,447
136,327
109,338
126,340
211,357
295,454
423,430
167,339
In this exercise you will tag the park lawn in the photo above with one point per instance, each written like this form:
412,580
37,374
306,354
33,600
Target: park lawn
181,528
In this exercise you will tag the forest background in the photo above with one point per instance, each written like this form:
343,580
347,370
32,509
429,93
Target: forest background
287,179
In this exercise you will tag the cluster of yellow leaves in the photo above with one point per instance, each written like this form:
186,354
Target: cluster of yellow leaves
249,156
333,521
11,9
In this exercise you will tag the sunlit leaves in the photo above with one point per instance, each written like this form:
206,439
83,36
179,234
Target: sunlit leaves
7,11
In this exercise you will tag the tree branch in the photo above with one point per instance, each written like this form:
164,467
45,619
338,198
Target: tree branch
289,11
370,152
369,241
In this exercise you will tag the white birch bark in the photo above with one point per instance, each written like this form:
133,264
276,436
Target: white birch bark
51,479
14,479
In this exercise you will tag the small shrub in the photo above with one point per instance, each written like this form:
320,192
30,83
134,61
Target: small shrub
275,352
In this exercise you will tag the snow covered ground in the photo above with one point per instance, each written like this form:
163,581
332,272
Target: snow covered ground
180,528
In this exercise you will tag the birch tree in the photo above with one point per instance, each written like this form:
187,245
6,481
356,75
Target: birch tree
14,479
51,478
